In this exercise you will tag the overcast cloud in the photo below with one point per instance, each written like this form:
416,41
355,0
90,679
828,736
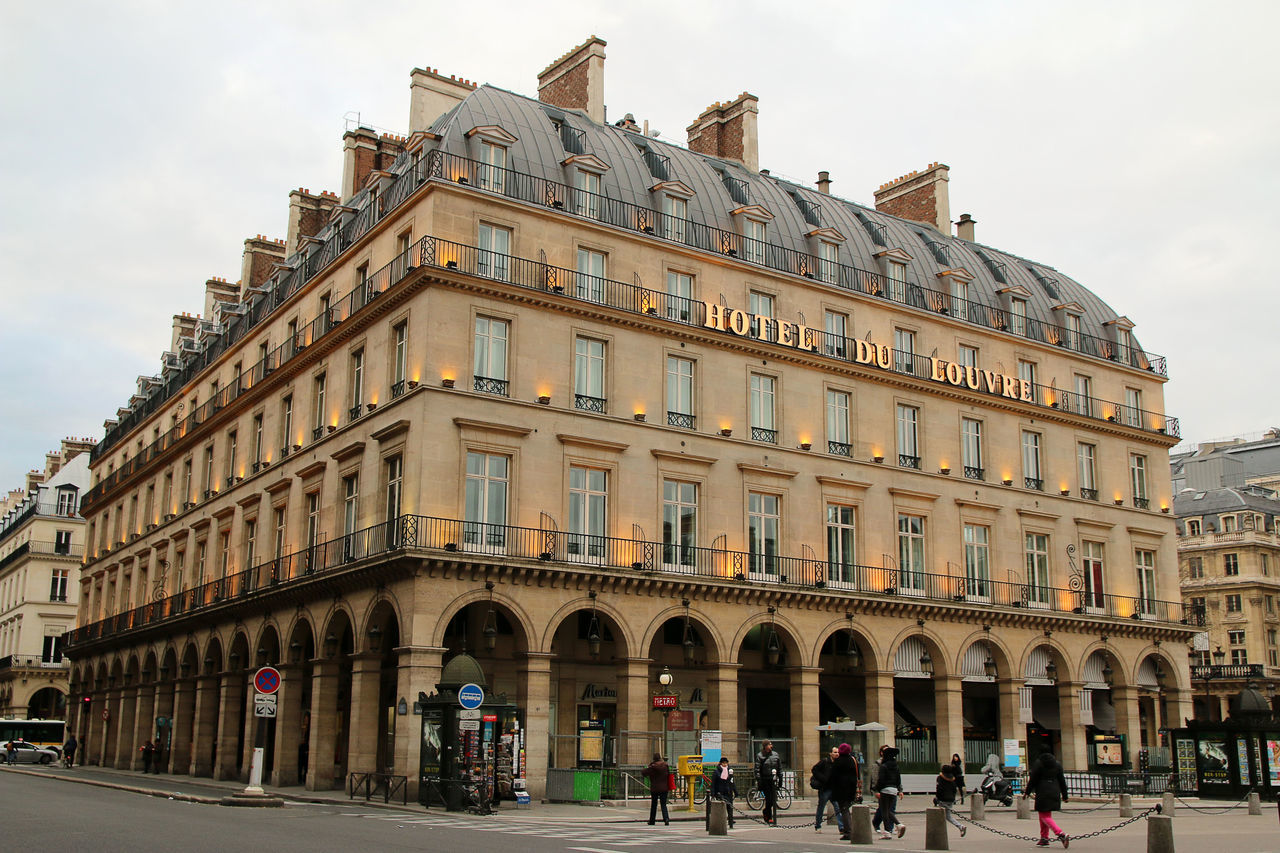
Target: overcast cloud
1129,145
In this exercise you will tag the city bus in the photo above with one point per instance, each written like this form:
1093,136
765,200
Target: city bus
48,733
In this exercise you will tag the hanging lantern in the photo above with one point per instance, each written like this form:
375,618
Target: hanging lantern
926,664
593,636
1108,674
989,667
773,651
852,656
1051,672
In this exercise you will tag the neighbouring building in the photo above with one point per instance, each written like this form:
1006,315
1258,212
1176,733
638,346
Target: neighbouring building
41,548
592,407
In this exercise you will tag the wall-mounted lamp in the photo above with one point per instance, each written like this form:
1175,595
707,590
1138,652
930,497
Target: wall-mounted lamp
805,445
639,416
330,645
413,383
1108,674
945,470
1119,501
1064,492
687,642
1051,672
726,432
593,628
926,664
375,639
878,458
544,399
1008,481
989,667
446,383
773,649
490,629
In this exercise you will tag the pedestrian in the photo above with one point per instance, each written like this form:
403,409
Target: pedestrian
768,775
659,776
957,766
157,757
722,785
945,793
69,751
11,753
304,751
820,781
878,817
1049,784
845,784
888,792
148,751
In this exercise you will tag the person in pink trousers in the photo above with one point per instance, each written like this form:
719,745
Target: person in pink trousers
1049,785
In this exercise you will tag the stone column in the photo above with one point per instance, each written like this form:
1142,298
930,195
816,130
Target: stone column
366,683
418,671
1180,706
183,722
123,724
228,752
804,715
722,705
91,752
324,724
143,721
1008,689
1128,720
635,709
284,771
109,729
879,687
164,708
1075,748
948,703
535,698
204,726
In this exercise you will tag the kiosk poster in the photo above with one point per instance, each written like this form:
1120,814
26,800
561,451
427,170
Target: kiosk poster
1242,753
1213,762
1108,751
1186,756
431,741
1273,762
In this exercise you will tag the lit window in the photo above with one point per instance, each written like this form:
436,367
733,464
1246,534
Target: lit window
842,558
977,560
493,258
591,275
679,523
764,522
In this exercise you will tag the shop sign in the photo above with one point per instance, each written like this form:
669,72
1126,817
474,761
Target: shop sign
597,692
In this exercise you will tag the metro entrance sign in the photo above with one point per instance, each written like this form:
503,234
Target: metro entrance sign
666,701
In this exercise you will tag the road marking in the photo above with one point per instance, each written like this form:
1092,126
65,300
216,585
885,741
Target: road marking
594,850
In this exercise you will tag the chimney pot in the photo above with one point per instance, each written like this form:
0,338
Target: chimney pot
824,182
964,227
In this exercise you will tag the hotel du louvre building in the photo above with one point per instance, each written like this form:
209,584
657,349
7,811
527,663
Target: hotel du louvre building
589,406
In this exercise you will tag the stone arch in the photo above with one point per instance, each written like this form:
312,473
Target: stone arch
865,642
212,662
385,599
624,641
1000,653
100,675
1170,672
703,627
266,649
189,661
132,667
301,645
522,624
115,676
238,651
932,645
1066,666
383,614
1109,655
339,627
788,637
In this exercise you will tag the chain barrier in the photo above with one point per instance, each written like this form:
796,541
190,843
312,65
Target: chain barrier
1112,801
1157,808
1224,810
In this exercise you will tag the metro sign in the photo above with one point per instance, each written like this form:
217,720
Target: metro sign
666,701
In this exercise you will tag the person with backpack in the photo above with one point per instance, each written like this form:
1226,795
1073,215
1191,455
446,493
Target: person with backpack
888,790
820,781
844,782
1049,784
945,794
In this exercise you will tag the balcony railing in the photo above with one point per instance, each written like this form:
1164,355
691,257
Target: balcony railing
476,540
1212,672
397,389
972,473
589,404
840,448
906,460
1089,494
1142,503
682,420
769,436
1033,483
487,385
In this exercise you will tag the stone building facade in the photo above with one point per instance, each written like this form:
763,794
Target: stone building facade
588,405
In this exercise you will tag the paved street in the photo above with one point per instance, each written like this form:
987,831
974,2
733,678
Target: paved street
45,806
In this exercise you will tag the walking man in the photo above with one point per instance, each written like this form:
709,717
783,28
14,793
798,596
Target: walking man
768,775
845,782
69,751
659,776
820,781
148,752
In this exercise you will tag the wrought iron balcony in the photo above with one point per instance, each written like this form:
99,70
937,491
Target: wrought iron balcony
589,404
1033,483
839,448
317,433
769,436
682,420
1142,503
1089,494
972,473
906,460
397,389
487,385
353,414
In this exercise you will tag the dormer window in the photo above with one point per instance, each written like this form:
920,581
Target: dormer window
1073,331
675,217
824,244
1193,527
1124,345
828,262
755,236
893,263
1018,316
490,144
586,194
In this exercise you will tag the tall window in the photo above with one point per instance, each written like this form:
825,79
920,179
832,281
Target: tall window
679,523
490,367
1037,550
977,560
58,585
488,480
186,488
908,436
761,305
250,542
586,195
911,568
837,329
399,358
357,382
52,650
1032,475
66,503
897,281
208,480
971,449
1094,587
842,552
588,375
395,482
1027,371
1086,468
838,438
967,356
494,251
1138,479
62,542
350,517
1124,346
679,296
675,214
1133,407
588,504
680,392
313,519
1073,331
491,172
320,413
1195,567
257,440
904,351
763,395
286,423
1234,603
279,521
764,524
828,261
1145,562
1230,565
591,273
755,237
1084,395
202,552
1018,316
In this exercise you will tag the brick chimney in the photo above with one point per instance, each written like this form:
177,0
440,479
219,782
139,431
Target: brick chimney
184,327
363,151
964,227
308,214
260,253
219,290
729,131
575,81
431,95
824,183
919,196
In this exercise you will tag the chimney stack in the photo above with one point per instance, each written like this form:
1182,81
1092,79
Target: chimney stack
964,227
363,152
260,255
824,183
919,196
729,131
575,81
308,214
219,290
184,327
431,95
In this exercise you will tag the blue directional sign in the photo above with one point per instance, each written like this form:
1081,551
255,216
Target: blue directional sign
471,696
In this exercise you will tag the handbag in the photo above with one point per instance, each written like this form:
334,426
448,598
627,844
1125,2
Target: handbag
813,783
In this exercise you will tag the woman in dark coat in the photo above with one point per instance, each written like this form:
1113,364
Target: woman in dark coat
1049,785
844,782
957,767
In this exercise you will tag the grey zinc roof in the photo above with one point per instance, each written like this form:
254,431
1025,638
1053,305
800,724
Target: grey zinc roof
539,152
1214,501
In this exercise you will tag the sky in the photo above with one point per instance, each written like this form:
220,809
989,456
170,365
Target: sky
1128,144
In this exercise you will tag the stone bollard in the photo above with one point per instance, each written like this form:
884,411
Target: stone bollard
977,807
935,830
717,817
1126,805
1168,804
860,824
1024,808
1255,803
1159,834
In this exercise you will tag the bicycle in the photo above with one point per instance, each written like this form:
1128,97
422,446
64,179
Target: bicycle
755,799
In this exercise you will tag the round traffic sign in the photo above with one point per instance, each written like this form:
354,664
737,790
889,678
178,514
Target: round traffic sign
106,715
471,696
266,680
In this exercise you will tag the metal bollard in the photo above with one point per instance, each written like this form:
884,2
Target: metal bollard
1024,808
860,824
1159,834
1168,804
1126,805
935,830
717,817
1255,803
977,807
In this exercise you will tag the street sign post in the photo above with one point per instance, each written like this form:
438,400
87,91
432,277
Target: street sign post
266,680
471,696
264,705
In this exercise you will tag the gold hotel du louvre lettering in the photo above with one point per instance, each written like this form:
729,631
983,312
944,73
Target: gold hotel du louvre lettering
797,335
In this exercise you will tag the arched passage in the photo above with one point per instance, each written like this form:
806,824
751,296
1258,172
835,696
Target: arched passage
1044,668
331,704
47,703
775,692
919,713
293,707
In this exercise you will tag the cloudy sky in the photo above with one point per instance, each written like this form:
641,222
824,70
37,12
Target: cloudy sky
1130,145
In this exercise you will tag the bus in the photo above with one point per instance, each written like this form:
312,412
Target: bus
47,733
